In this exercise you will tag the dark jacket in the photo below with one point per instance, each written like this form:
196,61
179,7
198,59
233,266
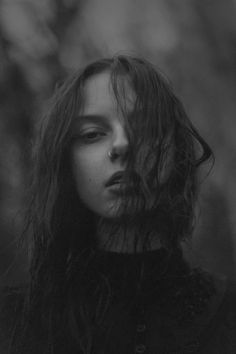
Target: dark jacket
186,320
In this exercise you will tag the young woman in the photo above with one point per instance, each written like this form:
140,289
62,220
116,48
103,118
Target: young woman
113,194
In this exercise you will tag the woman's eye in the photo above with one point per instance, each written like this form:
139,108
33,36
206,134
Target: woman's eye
91,136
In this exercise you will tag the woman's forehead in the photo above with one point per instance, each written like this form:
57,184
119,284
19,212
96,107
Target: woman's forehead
99,92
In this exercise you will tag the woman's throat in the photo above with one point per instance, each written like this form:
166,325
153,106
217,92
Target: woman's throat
114,237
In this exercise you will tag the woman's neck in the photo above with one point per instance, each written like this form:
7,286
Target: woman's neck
114,237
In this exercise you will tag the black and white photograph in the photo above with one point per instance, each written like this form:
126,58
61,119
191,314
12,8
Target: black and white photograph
117,177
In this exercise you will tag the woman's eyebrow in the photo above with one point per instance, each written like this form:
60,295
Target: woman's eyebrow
88,119
94,118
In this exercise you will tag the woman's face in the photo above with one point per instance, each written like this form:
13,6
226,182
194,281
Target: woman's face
100,147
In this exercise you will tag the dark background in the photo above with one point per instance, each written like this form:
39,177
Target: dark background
192,41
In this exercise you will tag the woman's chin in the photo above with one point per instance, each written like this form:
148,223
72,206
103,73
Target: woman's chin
123,207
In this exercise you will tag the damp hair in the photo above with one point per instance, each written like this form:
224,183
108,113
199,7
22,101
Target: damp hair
165,153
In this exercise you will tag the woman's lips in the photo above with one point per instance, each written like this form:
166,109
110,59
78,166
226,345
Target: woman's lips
116,179
120,189
118,185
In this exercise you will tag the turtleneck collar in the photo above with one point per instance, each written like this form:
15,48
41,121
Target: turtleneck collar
133,276
139,280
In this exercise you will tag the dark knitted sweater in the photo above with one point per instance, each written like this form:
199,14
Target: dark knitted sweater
157,306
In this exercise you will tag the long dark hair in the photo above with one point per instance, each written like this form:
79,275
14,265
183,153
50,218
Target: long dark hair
164,156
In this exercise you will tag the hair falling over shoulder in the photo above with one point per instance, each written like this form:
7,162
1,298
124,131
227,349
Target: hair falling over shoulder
65,298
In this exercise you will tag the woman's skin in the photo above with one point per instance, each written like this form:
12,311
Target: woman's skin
98,131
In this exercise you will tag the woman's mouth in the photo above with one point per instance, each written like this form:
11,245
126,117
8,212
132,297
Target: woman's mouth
116,179
117,184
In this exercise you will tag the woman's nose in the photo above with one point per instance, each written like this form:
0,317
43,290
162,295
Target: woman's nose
120,144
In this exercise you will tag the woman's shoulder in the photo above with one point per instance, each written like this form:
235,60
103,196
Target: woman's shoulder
11,298
225,316
214,329
224,304
218,333
11,305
